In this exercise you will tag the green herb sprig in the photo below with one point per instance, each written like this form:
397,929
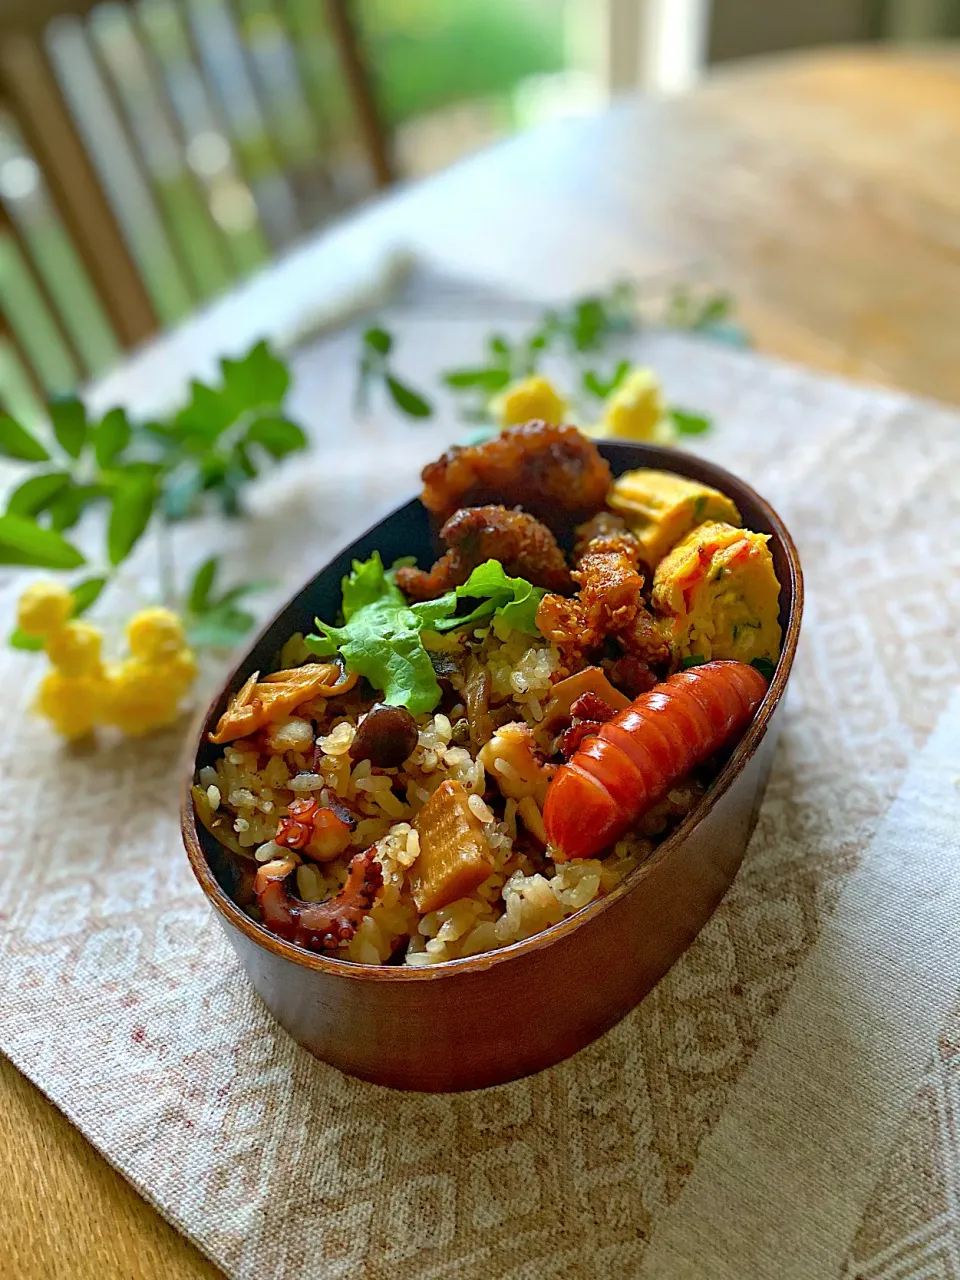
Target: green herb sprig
710,314
146,473
582,329
216,621
582,332
375,368
687,423
597,386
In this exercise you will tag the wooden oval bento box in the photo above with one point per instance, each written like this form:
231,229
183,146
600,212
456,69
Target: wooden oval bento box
466,1024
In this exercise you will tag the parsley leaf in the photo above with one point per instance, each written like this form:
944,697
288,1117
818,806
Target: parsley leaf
277,435
601,388
381,633
215,621
376,346
132,508
86,594
220,628
765,667
205,417
199,599
20,639
38,493
256,381
378,340
111,436
717,307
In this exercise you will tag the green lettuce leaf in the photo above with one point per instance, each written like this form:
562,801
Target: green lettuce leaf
369,583
515,600
380,637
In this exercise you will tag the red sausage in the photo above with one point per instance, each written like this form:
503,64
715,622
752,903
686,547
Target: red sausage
633,760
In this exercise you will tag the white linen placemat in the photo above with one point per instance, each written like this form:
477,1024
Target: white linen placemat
790,1016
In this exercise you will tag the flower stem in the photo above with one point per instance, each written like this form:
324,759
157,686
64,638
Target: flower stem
165,562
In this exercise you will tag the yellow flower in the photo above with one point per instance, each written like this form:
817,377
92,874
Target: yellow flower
137,695
154,634
180,670
44,607
75,650
146,695
139,698
71,703
533,397
635,411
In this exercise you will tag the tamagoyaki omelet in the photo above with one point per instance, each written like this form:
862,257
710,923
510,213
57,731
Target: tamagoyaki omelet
716,595
661,508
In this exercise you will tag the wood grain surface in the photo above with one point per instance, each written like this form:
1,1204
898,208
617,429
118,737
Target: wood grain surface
822,190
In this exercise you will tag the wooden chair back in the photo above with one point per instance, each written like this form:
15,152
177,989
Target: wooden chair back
152,151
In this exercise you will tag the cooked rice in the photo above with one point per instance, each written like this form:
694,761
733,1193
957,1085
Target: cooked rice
524,894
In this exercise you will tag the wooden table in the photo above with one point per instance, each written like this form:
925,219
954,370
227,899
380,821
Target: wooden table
821,190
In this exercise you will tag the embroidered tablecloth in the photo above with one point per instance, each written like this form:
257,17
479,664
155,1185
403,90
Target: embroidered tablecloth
781,1105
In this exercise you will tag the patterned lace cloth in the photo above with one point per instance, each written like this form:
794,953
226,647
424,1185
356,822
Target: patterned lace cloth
780,1105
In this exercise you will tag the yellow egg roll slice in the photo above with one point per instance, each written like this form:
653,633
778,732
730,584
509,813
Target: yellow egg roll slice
661,508
716,595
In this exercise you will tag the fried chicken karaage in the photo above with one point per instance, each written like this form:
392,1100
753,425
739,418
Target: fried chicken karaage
555,473
525,547
608,604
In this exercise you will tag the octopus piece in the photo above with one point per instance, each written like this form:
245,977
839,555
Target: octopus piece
317,926
571,738
590,706
262,702
567,693
525,547
555,473
321,834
